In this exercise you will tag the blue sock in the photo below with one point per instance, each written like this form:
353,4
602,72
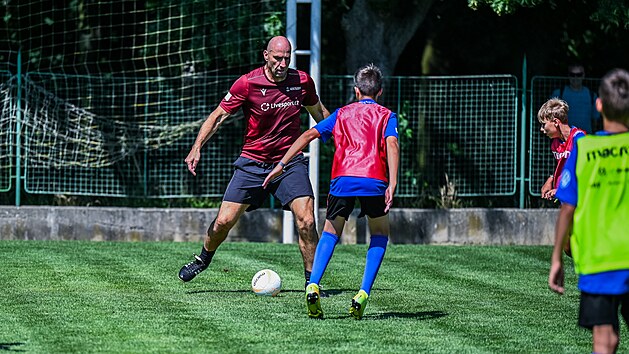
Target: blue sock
323,254
375,254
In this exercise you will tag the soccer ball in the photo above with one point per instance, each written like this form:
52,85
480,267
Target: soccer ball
266,283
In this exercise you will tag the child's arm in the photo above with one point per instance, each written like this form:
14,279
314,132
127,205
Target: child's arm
393,162
562,227
548,187
299,144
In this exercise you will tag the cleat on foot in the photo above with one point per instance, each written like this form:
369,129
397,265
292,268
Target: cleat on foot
322,292
313,302
358,305
190,270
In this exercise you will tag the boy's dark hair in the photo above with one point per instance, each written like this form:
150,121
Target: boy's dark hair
614,95
368,80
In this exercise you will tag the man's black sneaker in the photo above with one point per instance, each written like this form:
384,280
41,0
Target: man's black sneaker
190,270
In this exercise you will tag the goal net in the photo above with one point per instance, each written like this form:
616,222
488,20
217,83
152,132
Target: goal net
114,92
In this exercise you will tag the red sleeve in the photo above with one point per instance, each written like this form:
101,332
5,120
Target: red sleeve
310,97
236,96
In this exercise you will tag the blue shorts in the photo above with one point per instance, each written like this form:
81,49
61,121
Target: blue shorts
245,186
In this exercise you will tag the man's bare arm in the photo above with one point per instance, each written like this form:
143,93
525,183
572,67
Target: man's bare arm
209,127
318,111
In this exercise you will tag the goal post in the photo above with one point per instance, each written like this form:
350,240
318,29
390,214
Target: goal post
314,55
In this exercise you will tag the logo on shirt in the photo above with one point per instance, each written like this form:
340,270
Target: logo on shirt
293,88
263,90
266,106
614,152
227,96
561,155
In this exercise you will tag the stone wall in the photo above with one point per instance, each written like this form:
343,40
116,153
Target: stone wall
408,226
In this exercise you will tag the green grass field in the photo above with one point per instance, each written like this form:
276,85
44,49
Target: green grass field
78,297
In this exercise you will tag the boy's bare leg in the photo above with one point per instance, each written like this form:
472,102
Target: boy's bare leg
604,339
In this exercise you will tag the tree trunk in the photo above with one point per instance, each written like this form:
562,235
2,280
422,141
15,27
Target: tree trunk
377,31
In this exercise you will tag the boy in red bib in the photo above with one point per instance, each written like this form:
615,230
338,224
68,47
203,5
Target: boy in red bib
365,166
553,115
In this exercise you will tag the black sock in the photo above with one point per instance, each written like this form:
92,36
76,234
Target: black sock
307,275
206,256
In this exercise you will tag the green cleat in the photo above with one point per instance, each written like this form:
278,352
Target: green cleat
359,302
312,301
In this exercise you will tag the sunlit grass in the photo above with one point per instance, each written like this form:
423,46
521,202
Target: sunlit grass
126,297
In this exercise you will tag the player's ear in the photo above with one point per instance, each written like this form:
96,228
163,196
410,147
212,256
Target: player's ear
599,105
378,94
356,92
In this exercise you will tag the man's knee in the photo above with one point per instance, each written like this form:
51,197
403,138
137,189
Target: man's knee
305,225
221,225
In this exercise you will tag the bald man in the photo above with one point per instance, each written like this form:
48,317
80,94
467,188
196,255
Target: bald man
271,98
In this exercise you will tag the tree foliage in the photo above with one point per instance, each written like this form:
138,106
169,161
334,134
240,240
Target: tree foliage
474,37
504,6
377,31
611,13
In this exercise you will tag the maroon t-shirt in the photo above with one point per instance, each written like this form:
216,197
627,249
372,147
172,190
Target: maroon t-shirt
271,111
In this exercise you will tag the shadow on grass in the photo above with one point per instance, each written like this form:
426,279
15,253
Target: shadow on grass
421,316
217,291
9,347
327,292
324,292
241,291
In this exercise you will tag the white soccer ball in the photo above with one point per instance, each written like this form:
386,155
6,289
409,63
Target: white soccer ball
266,283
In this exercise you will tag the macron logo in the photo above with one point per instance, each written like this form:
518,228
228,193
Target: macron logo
263,91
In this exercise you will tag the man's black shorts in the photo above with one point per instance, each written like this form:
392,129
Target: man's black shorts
373,207
597,310
245,186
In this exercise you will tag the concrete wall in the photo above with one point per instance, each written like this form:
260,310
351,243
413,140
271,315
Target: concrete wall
418,226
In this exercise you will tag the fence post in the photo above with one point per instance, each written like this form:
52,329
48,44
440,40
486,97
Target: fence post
18,132
523,135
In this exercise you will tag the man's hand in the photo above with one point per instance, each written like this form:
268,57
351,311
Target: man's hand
208,128
192,160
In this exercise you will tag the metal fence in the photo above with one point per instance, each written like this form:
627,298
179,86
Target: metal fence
8,94
112,136
463,128
121,137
